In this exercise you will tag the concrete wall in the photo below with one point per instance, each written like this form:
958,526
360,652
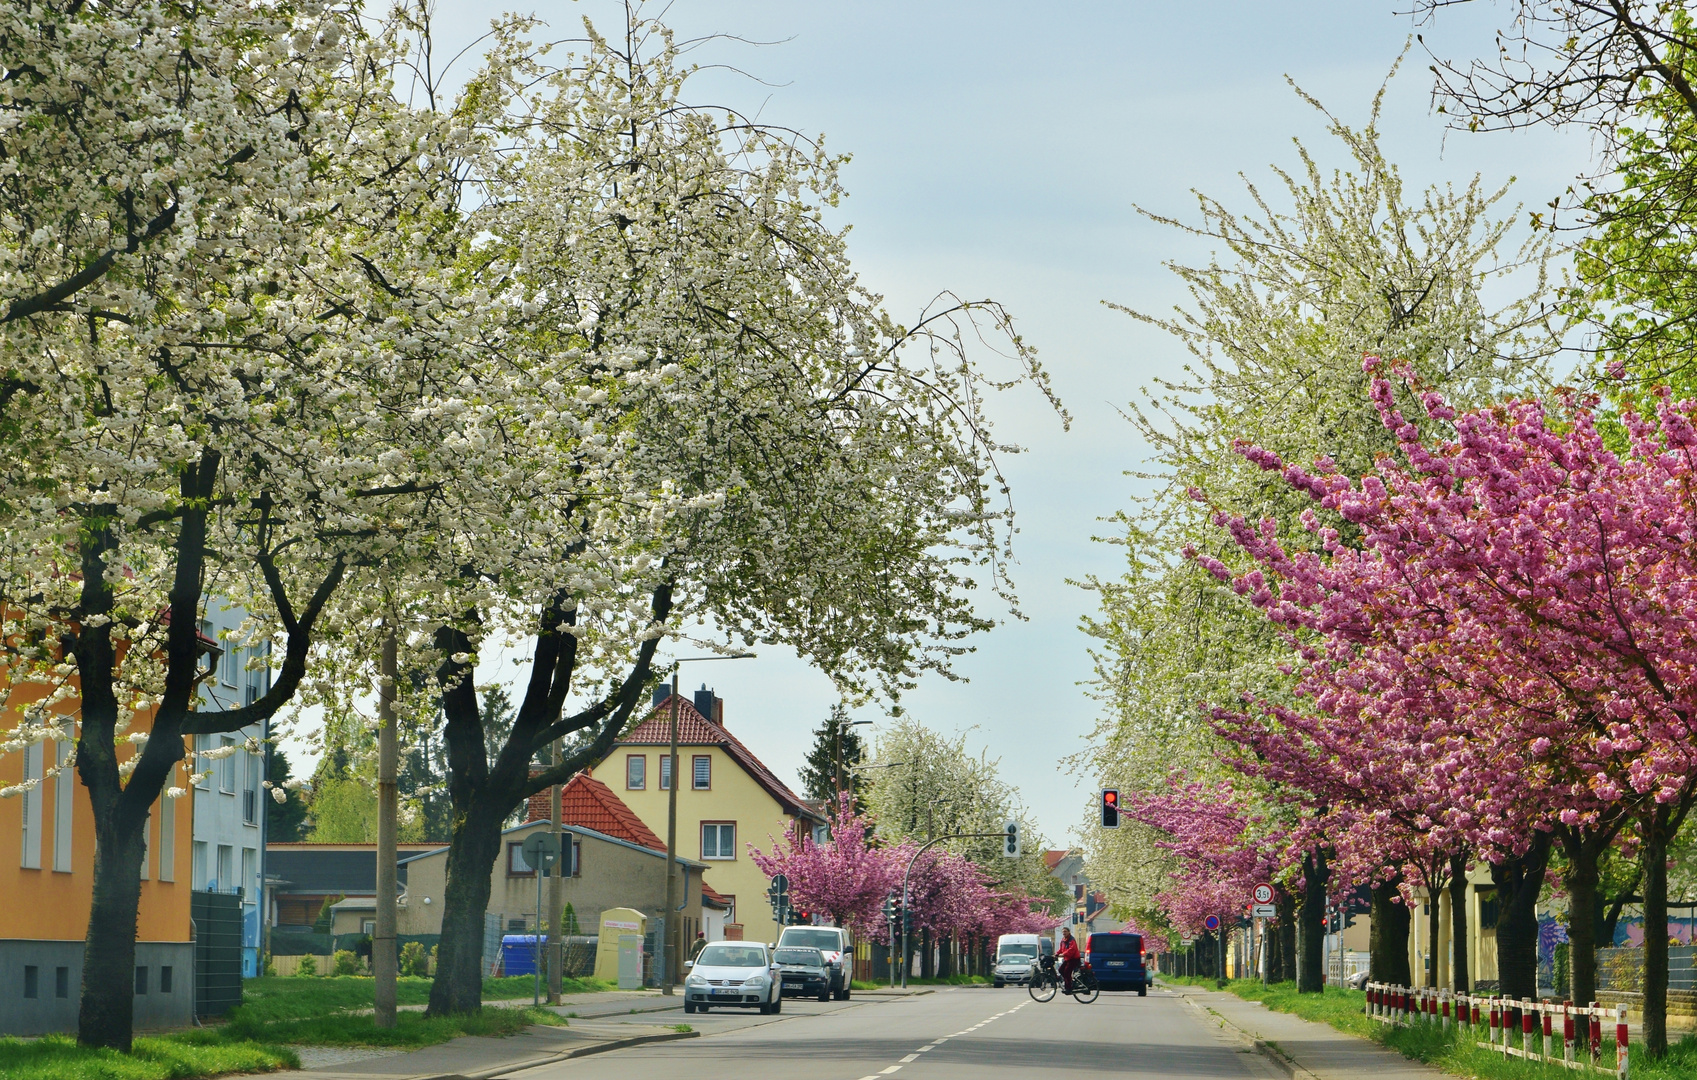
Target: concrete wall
49,1012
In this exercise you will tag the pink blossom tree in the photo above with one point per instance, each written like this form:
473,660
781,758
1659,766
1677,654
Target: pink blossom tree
847,877
1539,586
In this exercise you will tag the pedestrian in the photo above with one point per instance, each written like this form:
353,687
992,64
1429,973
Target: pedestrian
699,944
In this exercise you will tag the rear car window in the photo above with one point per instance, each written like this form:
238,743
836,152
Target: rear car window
1017,951
1116,944
810,957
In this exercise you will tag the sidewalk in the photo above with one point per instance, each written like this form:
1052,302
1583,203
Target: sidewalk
478,1058
1304,1049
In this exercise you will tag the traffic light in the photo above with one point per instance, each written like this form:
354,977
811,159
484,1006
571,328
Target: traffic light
1010,840
892,907
907,922
1110,808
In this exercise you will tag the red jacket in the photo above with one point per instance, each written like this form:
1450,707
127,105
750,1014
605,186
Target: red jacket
1069,951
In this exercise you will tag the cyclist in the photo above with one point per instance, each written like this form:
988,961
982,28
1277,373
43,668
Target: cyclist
1068,956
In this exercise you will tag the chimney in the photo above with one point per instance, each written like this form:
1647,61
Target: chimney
719,711
704,703
661,693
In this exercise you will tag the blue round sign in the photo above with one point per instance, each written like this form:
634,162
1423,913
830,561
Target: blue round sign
1212,922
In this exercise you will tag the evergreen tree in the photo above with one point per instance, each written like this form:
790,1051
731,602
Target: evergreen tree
285,821
830,764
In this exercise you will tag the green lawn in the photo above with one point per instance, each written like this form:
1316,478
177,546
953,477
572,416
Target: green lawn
1451,1050
167,1057
290,998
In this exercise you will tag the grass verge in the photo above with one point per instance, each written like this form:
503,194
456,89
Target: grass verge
165,1057
411,1030
289,998
1454,1051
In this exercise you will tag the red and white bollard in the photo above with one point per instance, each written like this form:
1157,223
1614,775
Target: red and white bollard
1567,1030
1622,1057
1596,1033
1549,1034
1527,1019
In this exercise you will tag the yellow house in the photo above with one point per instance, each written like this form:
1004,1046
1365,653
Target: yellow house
728,801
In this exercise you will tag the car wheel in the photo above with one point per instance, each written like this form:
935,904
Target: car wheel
778,1006
998,984
689,1006
704,1007
1143,991
825,994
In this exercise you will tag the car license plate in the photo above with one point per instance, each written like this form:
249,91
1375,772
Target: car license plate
727,990
1116,963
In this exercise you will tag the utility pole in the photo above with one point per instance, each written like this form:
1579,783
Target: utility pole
556,886
383,957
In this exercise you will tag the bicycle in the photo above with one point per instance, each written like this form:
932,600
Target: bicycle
1045,981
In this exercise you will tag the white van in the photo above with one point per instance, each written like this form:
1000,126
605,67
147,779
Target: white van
1016,956
834,942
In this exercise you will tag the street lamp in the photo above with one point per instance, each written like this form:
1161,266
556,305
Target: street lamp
672,904
839,774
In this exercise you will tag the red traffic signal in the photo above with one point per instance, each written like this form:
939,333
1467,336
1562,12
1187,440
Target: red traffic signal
1110,808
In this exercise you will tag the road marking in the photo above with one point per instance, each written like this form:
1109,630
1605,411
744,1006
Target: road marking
910,1057
933,1046
891,1069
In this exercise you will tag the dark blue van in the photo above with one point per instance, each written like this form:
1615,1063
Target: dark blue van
1117,959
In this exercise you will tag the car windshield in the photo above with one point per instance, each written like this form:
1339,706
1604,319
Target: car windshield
810,957
813,939
732,956
1116,944
1022,951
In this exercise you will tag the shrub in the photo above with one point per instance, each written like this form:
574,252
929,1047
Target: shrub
347,963
413,959
266,965
309,965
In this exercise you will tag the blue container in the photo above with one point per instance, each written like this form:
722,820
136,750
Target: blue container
518,954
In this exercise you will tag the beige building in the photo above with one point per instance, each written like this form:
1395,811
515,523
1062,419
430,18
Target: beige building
729,800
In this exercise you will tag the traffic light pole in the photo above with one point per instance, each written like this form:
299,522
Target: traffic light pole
906,874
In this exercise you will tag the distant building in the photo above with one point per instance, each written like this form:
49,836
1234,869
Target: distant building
1089,907
229,810
729,800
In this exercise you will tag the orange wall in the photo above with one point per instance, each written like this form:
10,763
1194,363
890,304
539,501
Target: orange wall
46,904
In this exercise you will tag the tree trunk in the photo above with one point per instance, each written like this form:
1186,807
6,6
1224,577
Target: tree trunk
1610,920
1388,939
106,1012
1311,927
1580,877
1518,883
926,968
1287,937
1658,828
472,853
1434,926
1459,974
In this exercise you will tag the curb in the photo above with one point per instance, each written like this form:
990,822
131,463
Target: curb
576,1052
1287,1064
915,992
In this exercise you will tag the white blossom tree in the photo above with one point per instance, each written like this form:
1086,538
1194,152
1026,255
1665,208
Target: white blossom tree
224,256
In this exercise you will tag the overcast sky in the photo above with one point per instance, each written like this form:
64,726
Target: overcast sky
998,151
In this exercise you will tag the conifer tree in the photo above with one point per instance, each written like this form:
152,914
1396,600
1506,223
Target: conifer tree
830,764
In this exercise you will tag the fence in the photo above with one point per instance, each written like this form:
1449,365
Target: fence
1623,969
217,920
1581,1026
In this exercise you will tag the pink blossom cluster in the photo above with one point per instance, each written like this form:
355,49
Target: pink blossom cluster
1505,640
1222,851
848,877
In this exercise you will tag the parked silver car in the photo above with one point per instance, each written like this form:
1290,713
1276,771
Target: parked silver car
740,973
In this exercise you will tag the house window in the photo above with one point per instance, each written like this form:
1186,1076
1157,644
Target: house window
718,840
636,772
250,875
226,869
64,803
517,864
199,870
227,767
665,772
62,982
167,838
32,980
141,980
703,772
32,808
250,789
368,927
202,743
164,980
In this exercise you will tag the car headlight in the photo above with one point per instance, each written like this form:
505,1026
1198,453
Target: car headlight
756,980
695,980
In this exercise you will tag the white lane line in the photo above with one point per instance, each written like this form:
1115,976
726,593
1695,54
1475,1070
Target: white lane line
933,1046
891,1069
910,1057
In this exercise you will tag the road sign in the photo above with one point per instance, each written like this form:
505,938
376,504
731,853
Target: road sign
1264,911
541,850
1212,922
1263,894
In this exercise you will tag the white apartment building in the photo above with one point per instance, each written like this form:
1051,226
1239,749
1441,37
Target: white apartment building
229,807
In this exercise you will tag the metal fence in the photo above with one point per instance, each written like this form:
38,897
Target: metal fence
1623,969
217,951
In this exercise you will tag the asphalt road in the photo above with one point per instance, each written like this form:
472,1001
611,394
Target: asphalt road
963,1034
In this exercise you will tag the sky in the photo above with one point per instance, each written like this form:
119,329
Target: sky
1000,150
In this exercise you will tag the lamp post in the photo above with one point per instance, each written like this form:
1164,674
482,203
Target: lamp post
839,772
672,905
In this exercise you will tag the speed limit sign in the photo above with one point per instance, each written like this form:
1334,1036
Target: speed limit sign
1263,894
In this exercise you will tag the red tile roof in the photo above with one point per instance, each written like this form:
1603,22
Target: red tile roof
696,730
589,804
1052,858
